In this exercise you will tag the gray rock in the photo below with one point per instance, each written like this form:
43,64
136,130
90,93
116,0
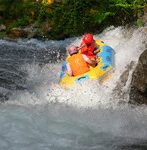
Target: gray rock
2,27
138,91
118,91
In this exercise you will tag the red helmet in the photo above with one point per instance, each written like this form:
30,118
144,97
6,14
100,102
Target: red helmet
73,50
88,38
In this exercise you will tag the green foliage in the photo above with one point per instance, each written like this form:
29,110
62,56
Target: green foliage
125,11
11,8
22,22
139,23
72,17
79,16
100,17
42,13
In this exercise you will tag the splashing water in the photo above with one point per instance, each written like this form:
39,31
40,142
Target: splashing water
128,46
41,115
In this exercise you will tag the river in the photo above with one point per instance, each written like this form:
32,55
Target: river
38,114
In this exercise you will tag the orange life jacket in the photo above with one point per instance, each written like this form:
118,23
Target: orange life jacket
88,50
78,65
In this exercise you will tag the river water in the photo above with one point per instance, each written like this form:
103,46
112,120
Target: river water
38,114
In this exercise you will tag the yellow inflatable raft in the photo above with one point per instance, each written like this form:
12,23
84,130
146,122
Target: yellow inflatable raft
103,69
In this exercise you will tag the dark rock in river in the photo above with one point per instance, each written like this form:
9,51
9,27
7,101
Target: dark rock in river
138,91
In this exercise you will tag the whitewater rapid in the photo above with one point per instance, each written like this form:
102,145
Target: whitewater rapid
43,81
40,115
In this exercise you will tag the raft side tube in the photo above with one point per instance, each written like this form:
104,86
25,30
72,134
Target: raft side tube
107,55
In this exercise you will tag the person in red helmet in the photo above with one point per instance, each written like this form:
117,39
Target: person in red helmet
78,64
89,46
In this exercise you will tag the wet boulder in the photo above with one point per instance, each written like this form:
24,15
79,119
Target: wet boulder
138,91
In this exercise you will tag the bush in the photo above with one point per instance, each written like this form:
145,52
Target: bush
73,17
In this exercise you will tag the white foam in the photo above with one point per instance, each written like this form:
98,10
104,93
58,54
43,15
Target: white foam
128,45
